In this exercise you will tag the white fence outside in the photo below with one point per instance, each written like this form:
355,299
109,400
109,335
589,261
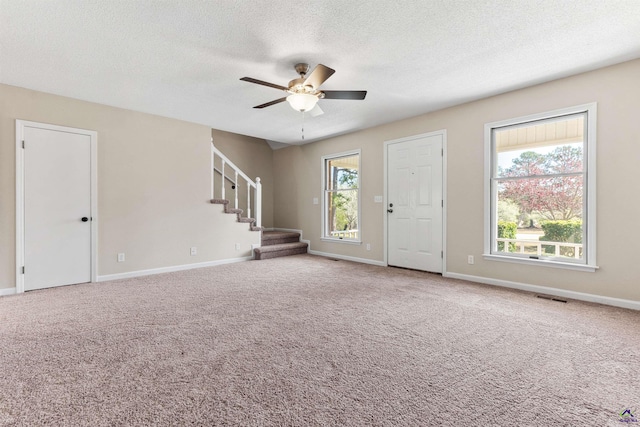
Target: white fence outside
345,234
522,244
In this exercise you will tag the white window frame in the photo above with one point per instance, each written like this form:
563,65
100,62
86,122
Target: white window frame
325,219
589,215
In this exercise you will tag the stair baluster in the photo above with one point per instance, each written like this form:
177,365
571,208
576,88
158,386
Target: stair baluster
235,187
223,176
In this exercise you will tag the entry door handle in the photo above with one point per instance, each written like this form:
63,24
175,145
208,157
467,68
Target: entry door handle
389,210
85,219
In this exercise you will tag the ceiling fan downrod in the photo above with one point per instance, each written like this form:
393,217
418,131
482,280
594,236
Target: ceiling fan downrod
302,69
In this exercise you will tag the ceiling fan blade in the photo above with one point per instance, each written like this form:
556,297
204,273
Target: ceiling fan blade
268,104
345,94
316,111
318,76
260,82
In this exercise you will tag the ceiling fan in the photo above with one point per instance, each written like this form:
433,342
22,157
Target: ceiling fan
304,92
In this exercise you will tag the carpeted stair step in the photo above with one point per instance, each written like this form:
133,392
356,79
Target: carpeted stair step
279,237
238,213
280,250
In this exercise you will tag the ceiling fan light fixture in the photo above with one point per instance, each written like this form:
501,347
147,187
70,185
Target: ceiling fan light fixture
302,101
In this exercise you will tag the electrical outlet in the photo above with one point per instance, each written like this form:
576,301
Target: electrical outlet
237,246
470,259
194,251
121,257
315,201
368,246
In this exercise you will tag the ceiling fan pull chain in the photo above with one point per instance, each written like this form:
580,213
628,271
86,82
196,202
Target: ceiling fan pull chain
303,125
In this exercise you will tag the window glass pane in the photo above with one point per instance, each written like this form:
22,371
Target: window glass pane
541,216
342,173
341,209
546,148
342,214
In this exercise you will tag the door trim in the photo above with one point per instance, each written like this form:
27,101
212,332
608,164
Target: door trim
20,125
442,132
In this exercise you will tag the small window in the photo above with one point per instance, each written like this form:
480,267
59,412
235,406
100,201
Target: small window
341,187
541,188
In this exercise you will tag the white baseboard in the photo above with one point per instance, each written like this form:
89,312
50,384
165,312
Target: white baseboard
7,291
349,258
616,302
149,272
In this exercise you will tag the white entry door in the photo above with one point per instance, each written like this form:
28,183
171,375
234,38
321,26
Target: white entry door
415,203
57,206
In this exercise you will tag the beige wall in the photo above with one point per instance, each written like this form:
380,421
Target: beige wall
154,182
615,89
153,185
255,158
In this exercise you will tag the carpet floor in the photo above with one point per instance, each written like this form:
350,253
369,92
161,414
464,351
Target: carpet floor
306,340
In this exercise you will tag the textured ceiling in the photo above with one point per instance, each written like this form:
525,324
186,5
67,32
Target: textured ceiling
183,58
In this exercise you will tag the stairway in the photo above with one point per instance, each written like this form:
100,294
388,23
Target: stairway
280,243
238,212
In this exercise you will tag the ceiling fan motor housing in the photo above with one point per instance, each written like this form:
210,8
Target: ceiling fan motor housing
298,86
302,69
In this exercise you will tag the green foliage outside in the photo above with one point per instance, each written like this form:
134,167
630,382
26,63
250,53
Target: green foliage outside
507,230
345,206
344,200
508,210
561,231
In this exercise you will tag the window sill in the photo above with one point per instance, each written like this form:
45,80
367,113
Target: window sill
333,240
542,263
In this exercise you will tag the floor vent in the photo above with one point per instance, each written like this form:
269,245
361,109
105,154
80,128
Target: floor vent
552,298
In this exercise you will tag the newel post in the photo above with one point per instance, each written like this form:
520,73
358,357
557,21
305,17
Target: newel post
258,202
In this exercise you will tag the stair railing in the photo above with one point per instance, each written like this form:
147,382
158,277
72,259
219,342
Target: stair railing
251,185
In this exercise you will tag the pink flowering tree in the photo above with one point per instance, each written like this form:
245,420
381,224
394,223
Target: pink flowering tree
556,197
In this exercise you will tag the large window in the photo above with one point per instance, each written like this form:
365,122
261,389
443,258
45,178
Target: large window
541,189
341,208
